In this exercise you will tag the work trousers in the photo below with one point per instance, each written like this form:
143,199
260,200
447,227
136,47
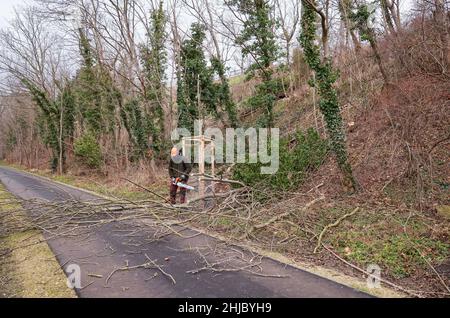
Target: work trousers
173,194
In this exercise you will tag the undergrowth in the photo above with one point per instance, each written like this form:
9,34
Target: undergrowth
298,156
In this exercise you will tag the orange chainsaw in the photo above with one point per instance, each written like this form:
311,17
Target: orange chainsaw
178,182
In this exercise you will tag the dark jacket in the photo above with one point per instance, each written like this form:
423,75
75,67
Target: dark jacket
179,166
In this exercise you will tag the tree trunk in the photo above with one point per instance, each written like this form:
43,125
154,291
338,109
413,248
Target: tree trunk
380,62
387,17
344,10
60,140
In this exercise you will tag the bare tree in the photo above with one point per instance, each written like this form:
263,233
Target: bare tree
29,51
344,7
391,14
288,13
323,13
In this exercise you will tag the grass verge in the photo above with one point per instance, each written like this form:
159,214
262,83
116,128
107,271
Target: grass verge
403,243
28,268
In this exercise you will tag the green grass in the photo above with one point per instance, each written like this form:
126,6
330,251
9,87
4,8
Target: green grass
64,179
386,239
397,254
13,165
238,79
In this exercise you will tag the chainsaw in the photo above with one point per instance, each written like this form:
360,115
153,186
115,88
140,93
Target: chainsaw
180,184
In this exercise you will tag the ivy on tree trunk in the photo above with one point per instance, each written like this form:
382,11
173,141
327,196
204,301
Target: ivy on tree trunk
257,39
154,62
55,120
326,76
197,93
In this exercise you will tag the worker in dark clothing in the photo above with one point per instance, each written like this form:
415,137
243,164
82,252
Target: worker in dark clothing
179,169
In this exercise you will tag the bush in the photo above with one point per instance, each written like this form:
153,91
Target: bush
307,155
88,151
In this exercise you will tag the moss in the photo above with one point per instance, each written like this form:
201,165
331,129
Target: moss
224,222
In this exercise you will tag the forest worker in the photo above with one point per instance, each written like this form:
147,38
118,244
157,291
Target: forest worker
179,170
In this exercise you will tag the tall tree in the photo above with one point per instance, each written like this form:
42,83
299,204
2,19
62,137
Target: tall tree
154,61
195,98
205,12
325,78
55,119
391,15
362,18
31,56
289,17
96,93
139,127
221,93
344,7
257,39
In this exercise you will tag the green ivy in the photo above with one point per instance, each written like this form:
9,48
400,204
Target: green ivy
87,150
195,77
361,18
296,162
222,93
96,94
139,127
49,118
326,76
154,62
257,40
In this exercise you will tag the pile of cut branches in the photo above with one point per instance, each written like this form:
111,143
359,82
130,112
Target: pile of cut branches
270,219
239,207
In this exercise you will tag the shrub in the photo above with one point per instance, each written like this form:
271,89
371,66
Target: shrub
307,155
88,151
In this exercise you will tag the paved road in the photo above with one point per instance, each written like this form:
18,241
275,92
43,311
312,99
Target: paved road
107,248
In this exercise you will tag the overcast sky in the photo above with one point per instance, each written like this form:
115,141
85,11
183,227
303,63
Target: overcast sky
7,9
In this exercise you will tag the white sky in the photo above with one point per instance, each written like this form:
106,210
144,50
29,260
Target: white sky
7,9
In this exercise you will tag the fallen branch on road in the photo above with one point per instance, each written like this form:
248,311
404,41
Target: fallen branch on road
161,270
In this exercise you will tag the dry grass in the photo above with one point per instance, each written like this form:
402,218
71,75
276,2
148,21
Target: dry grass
32,271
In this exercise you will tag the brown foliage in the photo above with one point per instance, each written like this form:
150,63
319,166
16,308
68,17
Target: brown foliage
417,49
